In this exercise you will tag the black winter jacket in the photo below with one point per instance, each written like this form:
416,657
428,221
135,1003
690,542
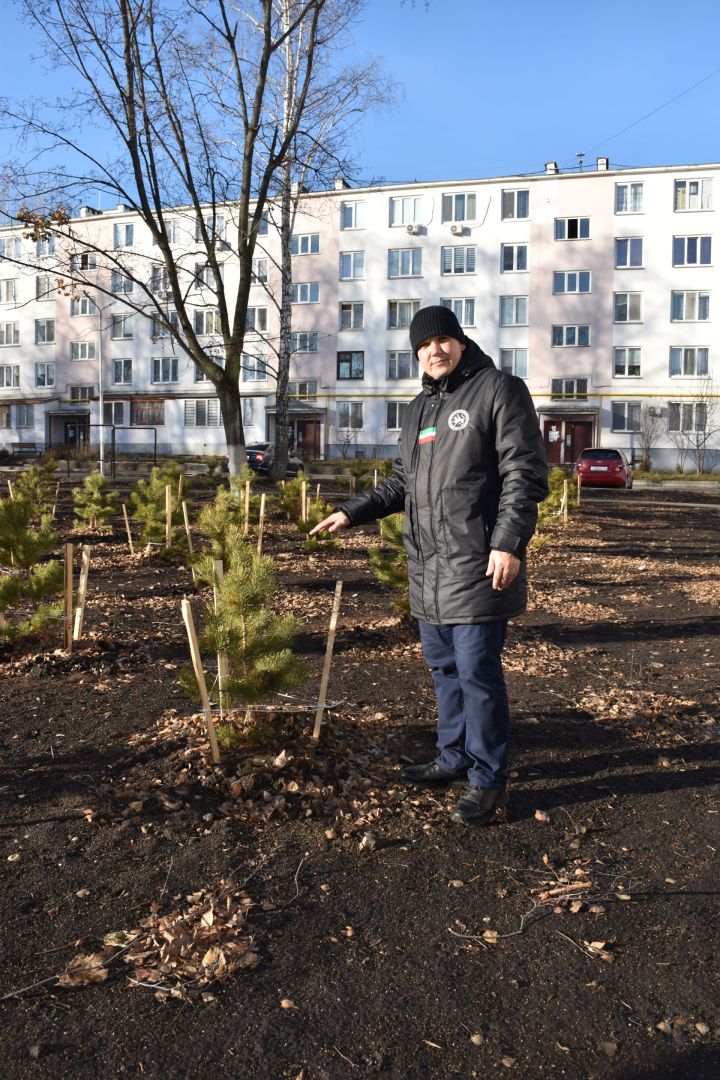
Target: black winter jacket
470,473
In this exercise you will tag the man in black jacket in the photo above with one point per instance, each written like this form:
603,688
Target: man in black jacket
470,473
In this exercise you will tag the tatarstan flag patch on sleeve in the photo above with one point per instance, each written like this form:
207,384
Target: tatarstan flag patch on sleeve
427,435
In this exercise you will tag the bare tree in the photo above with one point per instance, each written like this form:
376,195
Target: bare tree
694,425
648,434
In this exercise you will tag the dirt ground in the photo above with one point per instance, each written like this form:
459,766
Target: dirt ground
368,935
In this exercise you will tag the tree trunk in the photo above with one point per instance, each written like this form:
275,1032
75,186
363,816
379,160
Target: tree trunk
279,470
228,393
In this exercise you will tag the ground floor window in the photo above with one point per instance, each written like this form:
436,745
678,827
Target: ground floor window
687,416
625,415
25,416
114,413
394,414
350,415
204,412
5,421
147,413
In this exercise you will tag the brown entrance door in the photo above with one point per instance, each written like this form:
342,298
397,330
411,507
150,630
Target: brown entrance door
552,433
578,436
308,439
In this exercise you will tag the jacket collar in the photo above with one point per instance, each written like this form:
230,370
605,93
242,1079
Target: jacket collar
473,360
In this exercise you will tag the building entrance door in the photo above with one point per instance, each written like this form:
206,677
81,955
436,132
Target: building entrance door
307,441
552,432
564,439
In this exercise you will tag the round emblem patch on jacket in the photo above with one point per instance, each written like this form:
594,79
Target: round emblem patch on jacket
458,420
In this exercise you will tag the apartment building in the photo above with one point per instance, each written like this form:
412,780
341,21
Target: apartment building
596,287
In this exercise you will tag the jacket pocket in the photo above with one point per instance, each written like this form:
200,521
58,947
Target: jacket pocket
464,527
410,538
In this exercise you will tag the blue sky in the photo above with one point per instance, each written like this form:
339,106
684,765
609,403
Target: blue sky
491,89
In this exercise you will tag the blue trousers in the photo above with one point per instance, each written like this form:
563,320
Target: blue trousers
473,713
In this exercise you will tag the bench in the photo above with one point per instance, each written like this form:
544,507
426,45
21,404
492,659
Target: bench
26,450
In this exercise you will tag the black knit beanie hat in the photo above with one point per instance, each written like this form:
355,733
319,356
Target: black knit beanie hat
436,321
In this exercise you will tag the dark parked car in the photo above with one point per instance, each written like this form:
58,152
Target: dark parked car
600,467
261,455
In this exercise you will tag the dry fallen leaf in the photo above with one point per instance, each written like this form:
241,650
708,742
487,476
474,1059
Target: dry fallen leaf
609,1048
491,936
13,858
434,1045
508,1062
83,970
287,1003
82,893
541,815
457,884
477,1039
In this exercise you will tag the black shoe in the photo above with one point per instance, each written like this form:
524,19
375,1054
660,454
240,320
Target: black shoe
480,806
431,773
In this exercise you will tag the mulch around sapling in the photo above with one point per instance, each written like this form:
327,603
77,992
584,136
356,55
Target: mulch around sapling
297,912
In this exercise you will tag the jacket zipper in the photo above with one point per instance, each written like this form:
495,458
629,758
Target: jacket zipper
441,398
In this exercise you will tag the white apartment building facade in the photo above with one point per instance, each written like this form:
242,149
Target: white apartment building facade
596,287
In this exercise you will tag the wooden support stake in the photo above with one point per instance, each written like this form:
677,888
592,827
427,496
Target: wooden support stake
57,492
303,501
317,493
11,493
579,487
68,606
565,501
352,485
168,515
328,660
186,519
222,660
127,528
82,594
246,526
261,524
200,676
180,488
374,477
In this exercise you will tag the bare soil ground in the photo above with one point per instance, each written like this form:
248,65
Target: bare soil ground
369,936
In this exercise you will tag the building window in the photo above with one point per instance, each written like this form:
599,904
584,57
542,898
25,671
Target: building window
5,416
351,365
690,307
515,203
464,308
687,416
25,416
690,361
567,336
122,236
256,319
9,333
164,369
304,341
207,321
350,415
352,215
9,376
44,375
305,244
45,246
572,228
513,257
395,414
693,195
406,209
626,363
214,227
44,331
513,310
401,312
514,362
692,250
628,252
458,260
628,198
568,388
352,265
81,393
85,261
205,275
10,248
305,292
121,327
147,413
404,262
627,307
303,388
248,412
45,287
259,271
460,207
114,413
120,283
254,368
203,412
83,305
163,324
122,372
625,415
352,316
571,281
159,279
402,365
8,290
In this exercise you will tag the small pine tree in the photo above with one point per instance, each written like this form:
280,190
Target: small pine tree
95,503
290,497
37,484
218,520
148,500
317,511
550,507
24,540
390,566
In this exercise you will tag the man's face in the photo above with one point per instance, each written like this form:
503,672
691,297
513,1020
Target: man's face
439,356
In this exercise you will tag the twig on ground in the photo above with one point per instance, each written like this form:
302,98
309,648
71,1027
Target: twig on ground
343,1057
167,878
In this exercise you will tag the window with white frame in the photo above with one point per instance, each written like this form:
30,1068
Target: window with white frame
44,331
304,341
513,310
205,275
214,227
303,388
207,321
83,305
263,226
44,375
693,195
305,292
122,372
625,415
401,312
627,362
572,228
120,283
627,307
164,369
515,203
305,244
404,262
514,362
352,265
568,388
569,336
5,416
162,325
123,235
352,215
350,415
463,307
159,279
45,246
690,306
692,250
9,376
25,416
254,368
689,361
216,357
9,333
114,413
628,252
351,364
395,414
81,393
8,290
85,260
248,412
256,319
628,198
457,260
45,287
121,326
459,207
83,350
352,315
687,416
10,248
513,257
202,412
259,271
402,364
571,281
406,209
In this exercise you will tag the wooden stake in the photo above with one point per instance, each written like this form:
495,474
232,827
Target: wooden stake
565,501
168,515
200,676
180,487
261,524
303,501
352,485
374,477
328,660
246,526
579,488
317,493
11,493
189,539
82,594
127,528
222,660
68,607
57,492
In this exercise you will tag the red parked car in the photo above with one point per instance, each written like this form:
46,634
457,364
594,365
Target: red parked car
600,467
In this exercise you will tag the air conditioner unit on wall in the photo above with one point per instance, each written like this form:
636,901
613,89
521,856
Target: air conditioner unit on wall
653,410
414,230
457,230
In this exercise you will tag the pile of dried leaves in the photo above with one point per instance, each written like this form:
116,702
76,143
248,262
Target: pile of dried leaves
646,710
